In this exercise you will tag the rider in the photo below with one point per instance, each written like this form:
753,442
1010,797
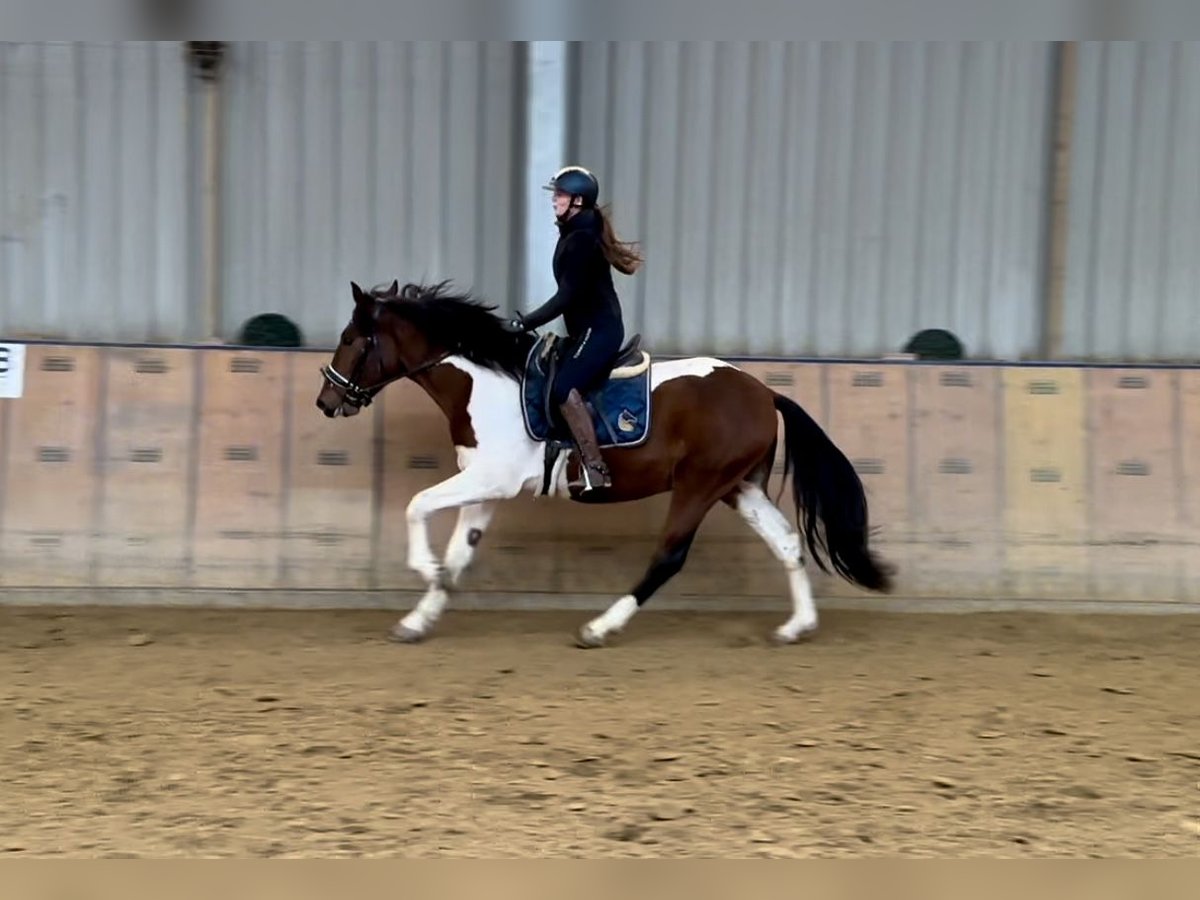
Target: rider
587,251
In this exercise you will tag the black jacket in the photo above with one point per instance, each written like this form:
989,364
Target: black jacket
585,296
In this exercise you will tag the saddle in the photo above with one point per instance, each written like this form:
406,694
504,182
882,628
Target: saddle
628,363
629,358
619,404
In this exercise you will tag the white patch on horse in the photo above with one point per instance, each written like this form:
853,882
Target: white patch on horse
696,367
777,532
502,444
463,456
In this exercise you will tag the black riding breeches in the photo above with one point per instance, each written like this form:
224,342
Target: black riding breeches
587,361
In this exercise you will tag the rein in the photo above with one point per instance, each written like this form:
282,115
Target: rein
360,397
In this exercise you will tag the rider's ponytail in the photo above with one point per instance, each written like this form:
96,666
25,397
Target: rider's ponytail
624,256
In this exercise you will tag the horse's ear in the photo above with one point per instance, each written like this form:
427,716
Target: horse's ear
394,290
360,296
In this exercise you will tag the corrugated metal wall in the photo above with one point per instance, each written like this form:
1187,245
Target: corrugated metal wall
1133,255
823,198
94,197
368,161
793,198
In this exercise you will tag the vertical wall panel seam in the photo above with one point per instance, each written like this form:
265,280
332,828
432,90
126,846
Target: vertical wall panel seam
195,417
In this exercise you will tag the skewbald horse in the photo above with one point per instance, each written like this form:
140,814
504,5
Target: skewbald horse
712,440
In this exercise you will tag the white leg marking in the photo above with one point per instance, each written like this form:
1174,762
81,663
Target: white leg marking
612,620
773,527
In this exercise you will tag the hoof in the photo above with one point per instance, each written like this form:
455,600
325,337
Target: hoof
781,638
587,639
402,634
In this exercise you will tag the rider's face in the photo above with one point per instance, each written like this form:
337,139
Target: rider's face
562,202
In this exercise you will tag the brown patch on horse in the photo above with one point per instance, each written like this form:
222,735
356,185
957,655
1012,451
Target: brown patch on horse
693,431
450,387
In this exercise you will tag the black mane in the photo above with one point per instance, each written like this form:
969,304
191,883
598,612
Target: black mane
462,324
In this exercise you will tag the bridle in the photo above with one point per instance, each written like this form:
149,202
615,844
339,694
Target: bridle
360,397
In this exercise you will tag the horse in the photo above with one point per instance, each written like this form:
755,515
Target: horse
699,428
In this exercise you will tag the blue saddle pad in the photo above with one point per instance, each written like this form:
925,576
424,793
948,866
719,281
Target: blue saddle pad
620,407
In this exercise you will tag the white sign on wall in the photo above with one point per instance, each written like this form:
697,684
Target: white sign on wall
12,370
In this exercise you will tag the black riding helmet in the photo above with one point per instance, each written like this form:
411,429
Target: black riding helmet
578,182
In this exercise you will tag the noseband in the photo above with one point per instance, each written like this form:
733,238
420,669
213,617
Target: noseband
361,397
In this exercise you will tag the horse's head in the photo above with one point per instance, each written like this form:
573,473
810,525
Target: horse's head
376,348
401,332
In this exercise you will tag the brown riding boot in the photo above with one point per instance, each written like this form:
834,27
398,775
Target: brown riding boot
579,420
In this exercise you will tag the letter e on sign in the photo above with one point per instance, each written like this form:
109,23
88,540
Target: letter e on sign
12,371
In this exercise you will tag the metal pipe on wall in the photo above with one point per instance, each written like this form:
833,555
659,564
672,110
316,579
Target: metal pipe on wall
1063,129
545,146
206,58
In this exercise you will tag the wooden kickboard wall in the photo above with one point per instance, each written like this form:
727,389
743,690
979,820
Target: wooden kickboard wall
180,468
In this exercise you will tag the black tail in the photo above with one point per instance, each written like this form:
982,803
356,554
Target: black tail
826,488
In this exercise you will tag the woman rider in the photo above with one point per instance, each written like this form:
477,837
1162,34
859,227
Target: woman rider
587,251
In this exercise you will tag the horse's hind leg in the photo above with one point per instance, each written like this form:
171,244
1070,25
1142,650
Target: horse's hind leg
778,533
687,510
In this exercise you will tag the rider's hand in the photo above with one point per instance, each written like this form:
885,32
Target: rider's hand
516,324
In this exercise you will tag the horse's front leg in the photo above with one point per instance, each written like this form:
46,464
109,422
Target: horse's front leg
473,492
473,520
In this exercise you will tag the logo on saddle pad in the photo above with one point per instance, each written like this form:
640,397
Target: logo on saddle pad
627,421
